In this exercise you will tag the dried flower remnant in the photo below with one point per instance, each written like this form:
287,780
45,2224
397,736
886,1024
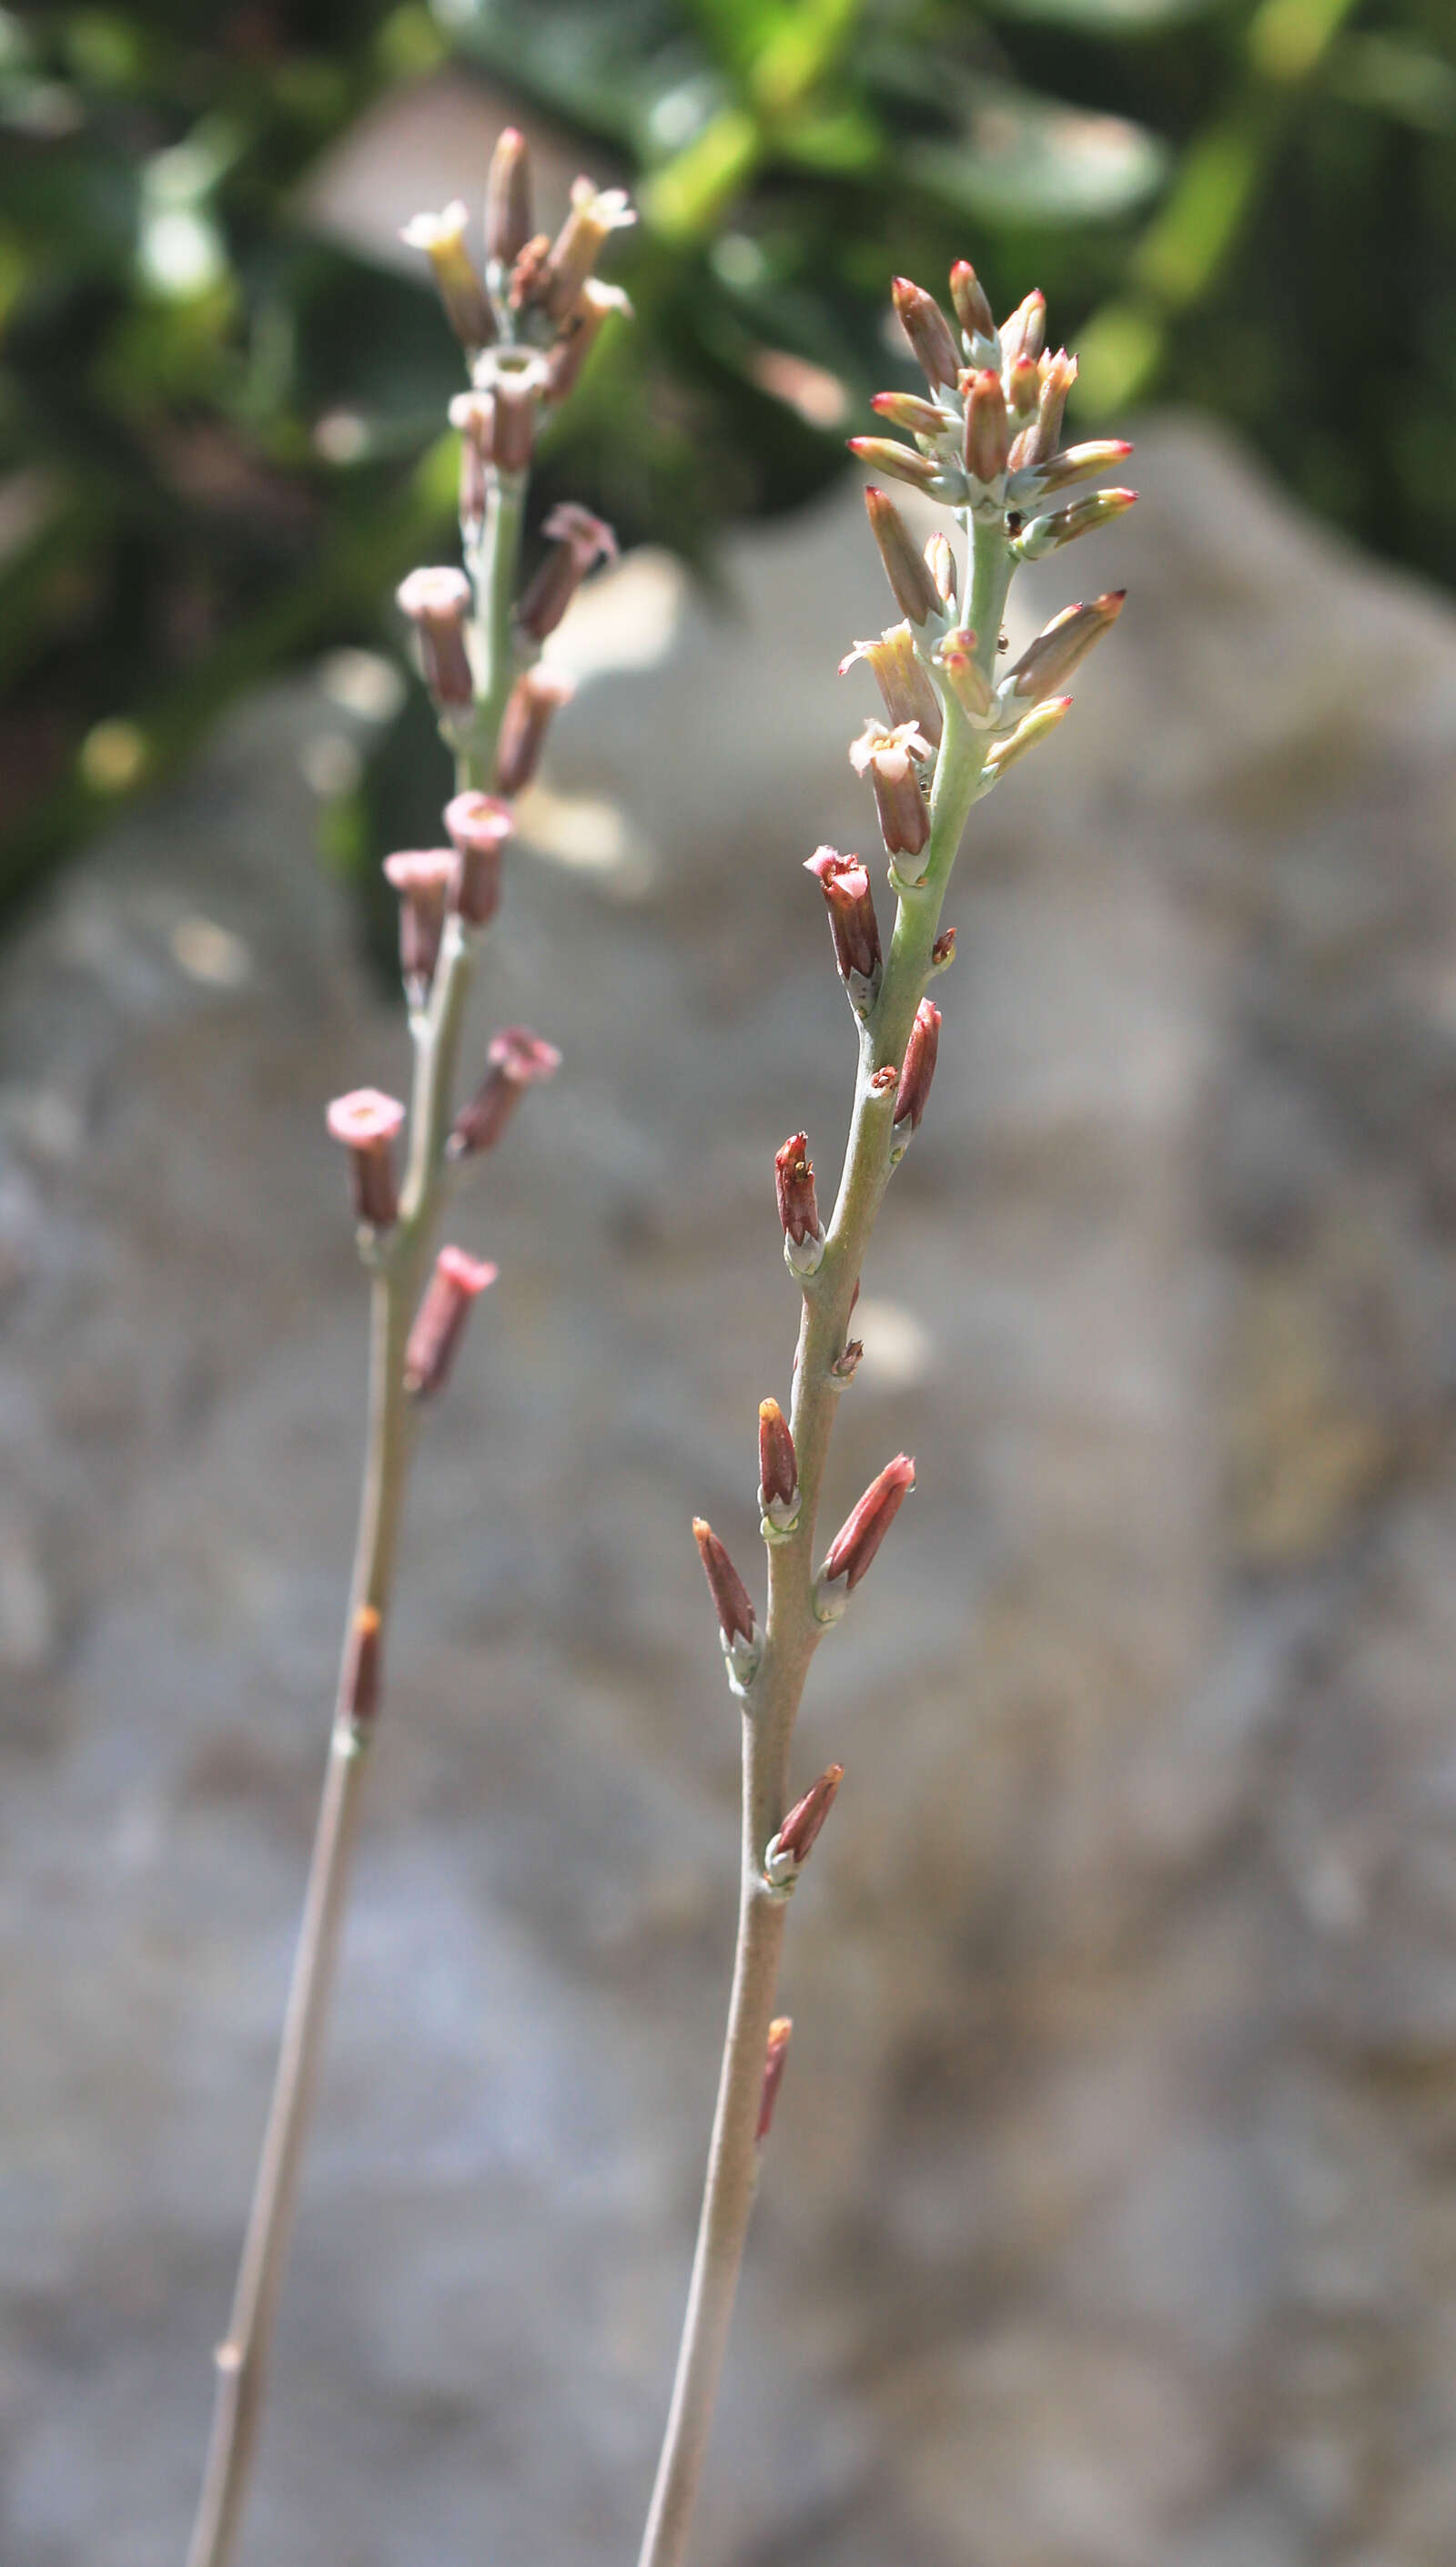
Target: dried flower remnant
478,825
424,878
913,1090
853,925
439,1324
579,542
517,1059
798,1203
368,1123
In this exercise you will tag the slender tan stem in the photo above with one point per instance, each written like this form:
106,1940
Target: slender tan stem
793,1631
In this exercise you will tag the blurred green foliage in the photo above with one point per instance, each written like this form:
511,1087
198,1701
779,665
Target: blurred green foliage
219,432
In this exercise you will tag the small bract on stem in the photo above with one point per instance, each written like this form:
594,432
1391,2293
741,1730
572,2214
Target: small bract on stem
986,444
526,328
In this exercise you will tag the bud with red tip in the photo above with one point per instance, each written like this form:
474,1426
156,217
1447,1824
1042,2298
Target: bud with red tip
1035,444
517,1059
888,758
1074,463
478,825
439,1322
508,201
901,462
907,410
578,540
902,680
861,1535
368,1123
988,441
437,603
928,332
774,2059
737,1622
359,1686
778,1469
1023,387
972,310
788,1851
797,1204
467,305
424,878
1057,649
537,695
1085,516
904,567
917,1072
955,652
853,922
1024,334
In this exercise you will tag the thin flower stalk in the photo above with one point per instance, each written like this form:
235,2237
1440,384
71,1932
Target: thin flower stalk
474,648
963,454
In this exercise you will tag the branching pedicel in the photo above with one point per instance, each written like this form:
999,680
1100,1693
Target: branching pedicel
987,445
527,329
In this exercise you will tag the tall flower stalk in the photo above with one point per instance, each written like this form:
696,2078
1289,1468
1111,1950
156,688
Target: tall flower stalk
987,445
526,326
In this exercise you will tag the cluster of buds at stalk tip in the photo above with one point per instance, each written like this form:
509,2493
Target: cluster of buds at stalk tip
798,1206
778,1471
737,1621
918,1069
854,928
859,1537
368,1124
517,1059
439,1322
786,1854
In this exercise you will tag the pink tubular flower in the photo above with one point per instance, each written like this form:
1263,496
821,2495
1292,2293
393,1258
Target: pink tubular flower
478,825
798,1202
439,1322
535,697
902,680
788,1851
437,603
579,542
777,1466
774,2057
853,922
424,878
919,1066
366,1122
861,1535
885,756
518,1059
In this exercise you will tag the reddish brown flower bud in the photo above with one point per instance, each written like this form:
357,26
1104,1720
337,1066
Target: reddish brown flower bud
902,680
528,274
853,922
424,878
535,697
901,462
518,1059
578,540
798,1203
904,567
919,1068
359,1685
987,441
778,1467
1065,641
883,1082
943,952
467,305
1024,334
513,435
928,332
788,1851
1023,387
437,603
508,200
972,310
734,1606
887,759
478,825
577,336
774,2059
861,1535
366,1123
439,1322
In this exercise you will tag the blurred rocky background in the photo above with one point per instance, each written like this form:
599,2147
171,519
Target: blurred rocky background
1109,2219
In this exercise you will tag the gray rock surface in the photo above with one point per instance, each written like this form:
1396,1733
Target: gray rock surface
1108,2218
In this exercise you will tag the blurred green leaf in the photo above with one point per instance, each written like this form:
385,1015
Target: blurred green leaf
1028,159
1108,18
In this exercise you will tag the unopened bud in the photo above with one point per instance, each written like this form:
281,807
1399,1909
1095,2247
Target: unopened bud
918,1070
1084,516
517,1059
902,679
535,697
473,413
928,332
467,305
846,1364
1065,641
594,212
861,1535
437,604
789,1850
943,952
366,1123
1076,463
1038,725
904,567
1024,334
888,758
478,825
424,878
797,1204
988,442
907,410
514,431
775,2060
737,1623
439,1322
1023,387
359,1686
1035,444
901,462
940,562
853,922
955,652
508,200
972,310
778,1467
577,336
578,540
